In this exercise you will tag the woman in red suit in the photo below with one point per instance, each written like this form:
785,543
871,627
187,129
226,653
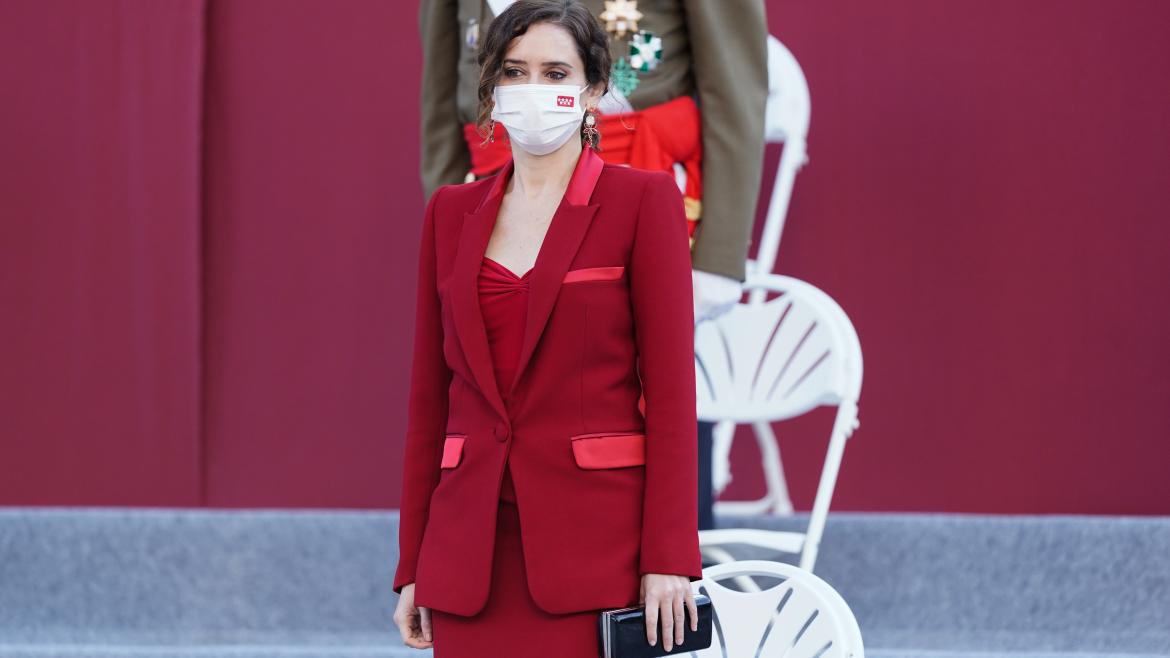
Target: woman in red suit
550,463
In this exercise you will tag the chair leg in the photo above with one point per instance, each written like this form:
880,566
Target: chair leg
776,501
722,435
781,503
820,510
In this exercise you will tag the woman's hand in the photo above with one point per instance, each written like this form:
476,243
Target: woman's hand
413,623
664,596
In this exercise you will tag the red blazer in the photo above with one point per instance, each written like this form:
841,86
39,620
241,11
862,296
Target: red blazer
605,492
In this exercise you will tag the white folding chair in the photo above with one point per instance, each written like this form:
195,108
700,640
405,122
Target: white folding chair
786,120
801,616
770,361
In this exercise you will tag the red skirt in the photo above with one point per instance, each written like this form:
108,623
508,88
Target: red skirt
511,625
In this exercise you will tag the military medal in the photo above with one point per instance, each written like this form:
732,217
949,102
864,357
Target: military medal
623,76
621,16
645,51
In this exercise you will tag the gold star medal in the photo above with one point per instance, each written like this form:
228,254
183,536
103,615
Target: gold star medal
621,16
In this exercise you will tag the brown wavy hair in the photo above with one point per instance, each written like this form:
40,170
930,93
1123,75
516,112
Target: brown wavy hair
592,46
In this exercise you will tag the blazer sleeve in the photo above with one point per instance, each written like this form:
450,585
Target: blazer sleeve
729,44
430,377
444,157
661,296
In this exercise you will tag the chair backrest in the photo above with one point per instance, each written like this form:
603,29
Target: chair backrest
800,616
788,111
786,119
777,359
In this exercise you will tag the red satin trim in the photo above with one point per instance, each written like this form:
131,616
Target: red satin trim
584,178
609,450
452,450
581,183
594,274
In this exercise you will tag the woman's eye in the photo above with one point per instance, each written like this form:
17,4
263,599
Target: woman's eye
556,75
509,73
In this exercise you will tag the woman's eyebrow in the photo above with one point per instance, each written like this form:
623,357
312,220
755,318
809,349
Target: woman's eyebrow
552,63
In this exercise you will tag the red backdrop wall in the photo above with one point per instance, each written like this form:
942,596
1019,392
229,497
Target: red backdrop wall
210,217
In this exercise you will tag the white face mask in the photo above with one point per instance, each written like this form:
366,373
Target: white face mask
539,117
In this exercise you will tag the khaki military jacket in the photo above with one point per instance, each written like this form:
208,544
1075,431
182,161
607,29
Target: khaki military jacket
714,50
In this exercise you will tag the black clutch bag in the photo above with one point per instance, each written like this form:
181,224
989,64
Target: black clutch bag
623,632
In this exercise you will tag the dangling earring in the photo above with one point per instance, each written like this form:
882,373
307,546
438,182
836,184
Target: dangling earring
492,130
590,130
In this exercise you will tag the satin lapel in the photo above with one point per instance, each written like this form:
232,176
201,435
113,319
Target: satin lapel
561,241
466,312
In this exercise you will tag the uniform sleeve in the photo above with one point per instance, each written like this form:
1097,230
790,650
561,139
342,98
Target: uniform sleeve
729,44
444,157
661,295
430,377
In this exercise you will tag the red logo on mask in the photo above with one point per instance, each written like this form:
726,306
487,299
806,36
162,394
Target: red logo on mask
565,101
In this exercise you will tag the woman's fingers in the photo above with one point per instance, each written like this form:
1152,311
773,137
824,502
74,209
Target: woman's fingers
694,609
425,622
414,624
651,604
415,635
666,600
668,640
679,618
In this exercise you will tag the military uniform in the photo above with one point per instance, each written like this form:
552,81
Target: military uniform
712,50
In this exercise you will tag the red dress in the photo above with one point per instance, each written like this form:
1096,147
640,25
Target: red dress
510,625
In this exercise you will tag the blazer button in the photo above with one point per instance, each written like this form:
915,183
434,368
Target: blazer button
501,432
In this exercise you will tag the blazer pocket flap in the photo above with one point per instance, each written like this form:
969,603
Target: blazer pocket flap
452,450
609,449
595,273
